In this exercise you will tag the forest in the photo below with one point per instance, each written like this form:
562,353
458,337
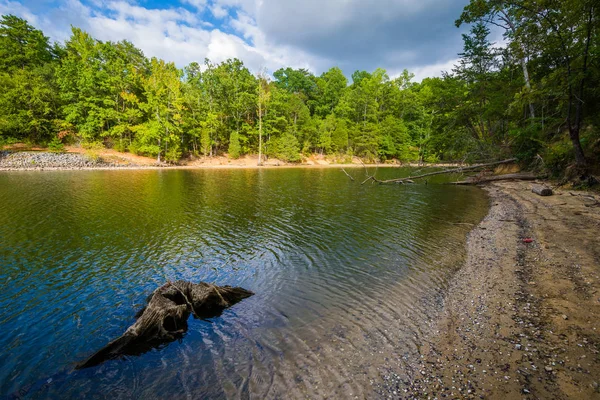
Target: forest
535,96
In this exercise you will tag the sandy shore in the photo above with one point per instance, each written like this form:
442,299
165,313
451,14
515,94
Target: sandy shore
521,320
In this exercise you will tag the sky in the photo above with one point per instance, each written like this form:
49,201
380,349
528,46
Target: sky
418,35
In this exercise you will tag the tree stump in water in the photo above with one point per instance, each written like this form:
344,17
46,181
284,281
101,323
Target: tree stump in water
541,190
165,317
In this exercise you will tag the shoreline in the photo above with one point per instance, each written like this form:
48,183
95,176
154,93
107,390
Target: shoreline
76,160
212,167
520,320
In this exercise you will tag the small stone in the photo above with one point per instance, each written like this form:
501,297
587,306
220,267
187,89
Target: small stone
548,368
518,346
565,317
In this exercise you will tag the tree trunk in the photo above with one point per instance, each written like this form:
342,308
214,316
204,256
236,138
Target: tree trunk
580,160
541,190
523,62
448,171
259,130
159,150
165,317
574,129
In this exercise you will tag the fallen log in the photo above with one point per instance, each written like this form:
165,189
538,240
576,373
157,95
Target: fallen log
486,179
541,190
164,318
447,171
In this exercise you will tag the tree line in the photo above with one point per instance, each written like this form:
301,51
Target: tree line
534,97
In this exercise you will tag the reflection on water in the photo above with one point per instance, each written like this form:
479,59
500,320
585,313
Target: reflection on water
345,277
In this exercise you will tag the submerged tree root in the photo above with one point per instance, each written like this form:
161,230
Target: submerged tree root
165,317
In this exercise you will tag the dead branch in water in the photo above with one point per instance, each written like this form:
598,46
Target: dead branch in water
348,175
369,177
446,171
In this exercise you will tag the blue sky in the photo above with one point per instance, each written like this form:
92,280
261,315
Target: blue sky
268,34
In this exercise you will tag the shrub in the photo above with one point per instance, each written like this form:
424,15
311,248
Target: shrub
93,149
173,154
56,145
526,142
432,158
234,145
558,156
121,146
7,141
286,148
134,148
66,131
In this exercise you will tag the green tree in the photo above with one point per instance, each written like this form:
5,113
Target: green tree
21,45
235,149
331,85
560,39
164,105
263,96
28,100
82,82
28,104
125,66
285,147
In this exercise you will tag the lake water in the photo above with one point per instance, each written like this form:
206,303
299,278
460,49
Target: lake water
347,278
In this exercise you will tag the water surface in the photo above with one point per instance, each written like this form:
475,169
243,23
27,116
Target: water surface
346,278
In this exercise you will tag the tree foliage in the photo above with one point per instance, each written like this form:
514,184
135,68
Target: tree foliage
531,96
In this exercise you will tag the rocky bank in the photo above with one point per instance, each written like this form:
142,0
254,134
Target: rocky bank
33,160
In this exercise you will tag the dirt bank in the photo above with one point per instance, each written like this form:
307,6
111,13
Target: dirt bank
110,159
521,320
22,157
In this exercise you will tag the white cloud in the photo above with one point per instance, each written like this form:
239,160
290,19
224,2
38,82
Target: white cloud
365,34
13,7
313,34
197,4
433,70
174,34
218,11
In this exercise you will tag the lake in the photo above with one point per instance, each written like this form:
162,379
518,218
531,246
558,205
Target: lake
347,277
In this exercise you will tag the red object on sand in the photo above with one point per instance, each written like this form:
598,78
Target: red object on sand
527,240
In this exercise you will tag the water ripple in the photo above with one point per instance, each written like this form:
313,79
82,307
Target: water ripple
347,278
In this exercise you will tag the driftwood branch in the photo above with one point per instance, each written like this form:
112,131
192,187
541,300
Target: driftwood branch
369,176
348,175
447,171
165,317
595,203
541,190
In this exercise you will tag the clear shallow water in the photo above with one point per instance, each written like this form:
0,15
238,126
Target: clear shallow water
346,278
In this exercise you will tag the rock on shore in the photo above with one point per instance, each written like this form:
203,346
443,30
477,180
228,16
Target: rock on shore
32,160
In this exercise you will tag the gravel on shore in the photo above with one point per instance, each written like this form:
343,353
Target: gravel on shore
520,319
33,160
41,160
